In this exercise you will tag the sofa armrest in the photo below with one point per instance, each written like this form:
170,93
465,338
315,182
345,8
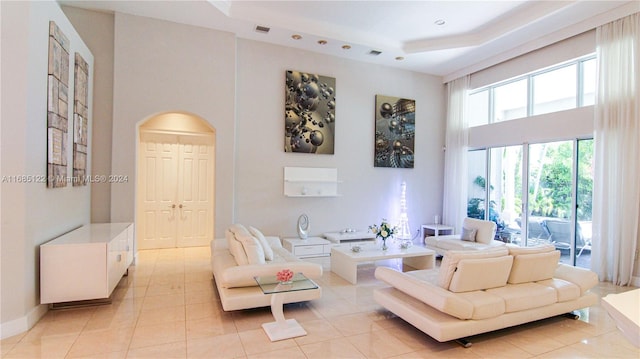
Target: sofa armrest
242,276
583,278
430,294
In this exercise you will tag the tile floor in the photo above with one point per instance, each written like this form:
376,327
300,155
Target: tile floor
168,308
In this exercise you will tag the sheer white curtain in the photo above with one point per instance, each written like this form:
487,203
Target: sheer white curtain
454,206
616,187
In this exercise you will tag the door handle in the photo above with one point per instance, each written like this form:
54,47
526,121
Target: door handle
181,205
172,206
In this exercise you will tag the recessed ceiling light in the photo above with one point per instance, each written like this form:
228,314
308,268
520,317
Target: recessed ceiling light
296,37
346,47
322,42
399,58
439,22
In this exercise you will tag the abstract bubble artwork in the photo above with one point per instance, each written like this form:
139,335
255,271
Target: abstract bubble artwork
395,132
310,113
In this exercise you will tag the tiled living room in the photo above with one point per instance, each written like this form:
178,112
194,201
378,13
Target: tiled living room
167,307
141,73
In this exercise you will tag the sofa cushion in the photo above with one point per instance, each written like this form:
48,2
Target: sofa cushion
451,258
524,296
485,305
565,291
533,267
468,234
481,273
235,247
251,246
268,252
486,229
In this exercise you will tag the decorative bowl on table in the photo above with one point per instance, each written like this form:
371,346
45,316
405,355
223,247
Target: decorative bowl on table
356,249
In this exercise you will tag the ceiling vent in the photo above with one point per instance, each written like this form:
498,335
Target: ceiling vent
375,52
263,29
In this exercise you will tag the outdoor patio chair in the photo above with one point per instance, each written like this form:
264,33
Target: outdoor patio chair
560,235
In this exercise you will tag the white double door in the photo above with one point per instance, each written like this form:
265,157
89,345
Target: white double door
175,191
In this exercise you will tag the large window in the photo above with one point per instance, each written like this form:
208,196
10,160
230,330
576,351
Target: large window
560,87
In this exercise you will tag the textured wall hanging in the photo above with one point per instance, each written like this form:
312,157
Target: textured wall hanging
57,107
395,132
310,109
80,120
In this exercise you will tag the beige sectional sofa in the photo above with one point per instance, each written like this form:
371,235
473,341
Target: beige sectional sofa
476,234
245,253
475,292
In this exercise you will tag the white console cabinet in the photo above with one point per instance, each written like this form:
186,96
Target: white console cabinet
86,263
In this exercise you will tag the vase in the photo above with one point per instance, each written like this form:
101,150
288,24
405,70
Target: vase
384,244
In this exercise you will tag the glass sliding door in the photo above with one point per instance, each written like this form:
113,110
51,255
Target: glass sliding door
536,194
477,184
551,196
505,194
584,200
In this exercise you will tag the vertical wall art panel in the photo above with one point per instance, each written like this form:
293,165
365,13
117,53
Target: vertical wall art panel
310,108
57,107
80,120
395,132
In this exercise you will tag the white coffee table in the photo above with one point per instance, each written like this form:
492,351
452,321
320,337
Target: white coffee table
356,236
344,262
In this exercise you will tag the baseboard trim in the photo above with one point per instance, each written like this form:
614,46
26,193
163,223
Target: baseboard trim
22,324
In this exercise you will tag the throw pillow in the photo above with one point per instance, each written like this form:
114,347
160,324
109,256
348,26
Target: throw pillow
235,248
268,252
253,249
468,234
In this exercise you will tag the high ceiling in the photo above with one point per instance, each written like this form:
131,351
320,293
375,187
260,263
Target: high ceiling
435,37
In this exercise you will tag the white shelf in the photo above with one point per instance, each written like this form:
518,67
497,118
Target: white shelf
310,182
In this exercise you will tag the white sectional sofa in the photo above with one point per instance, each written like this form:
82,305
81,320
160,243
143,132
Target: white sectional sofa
246,253
475,292
476,235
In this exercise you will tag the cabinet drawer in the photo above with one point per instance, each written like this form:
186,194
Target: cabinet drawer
308,250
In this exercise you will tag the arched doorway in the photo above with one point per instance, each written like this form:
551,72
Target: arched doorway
175,197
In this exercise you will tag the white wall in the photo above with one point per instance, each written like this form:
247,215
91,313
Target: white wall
31,213
96,29
160,66
368,193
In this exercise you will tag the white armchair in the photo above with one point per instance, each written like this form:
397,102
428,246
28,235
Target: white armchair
475,234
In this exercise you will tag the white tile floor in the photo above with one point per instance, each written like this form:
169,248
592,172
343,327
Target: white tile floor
168,308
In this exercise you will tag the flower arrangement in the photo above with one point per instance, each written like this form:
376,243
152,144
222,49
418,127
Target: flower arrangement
384,231
284,276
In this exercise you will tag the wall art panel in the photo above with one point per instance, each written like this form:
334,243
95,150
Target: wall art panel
395,132
310,108
80,120
57,107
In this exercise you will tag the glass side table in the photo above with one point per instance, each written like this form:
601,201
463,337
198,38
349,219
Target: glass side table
283,328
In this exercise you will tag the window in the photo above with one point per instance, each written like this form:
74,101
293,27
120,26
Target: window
588,82
555,90
479,102
510,101
561,87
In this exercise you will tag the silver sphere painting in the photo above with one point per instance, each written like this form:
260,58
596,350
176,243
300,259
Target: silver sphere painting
310,113
395,132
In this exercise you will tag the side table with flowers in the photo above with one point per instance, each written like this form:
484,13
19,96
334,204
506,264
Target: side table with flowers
383,231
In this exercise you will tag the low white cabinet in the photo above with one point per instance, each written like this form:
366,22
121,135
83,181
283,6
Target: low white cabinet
306,248
86,263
